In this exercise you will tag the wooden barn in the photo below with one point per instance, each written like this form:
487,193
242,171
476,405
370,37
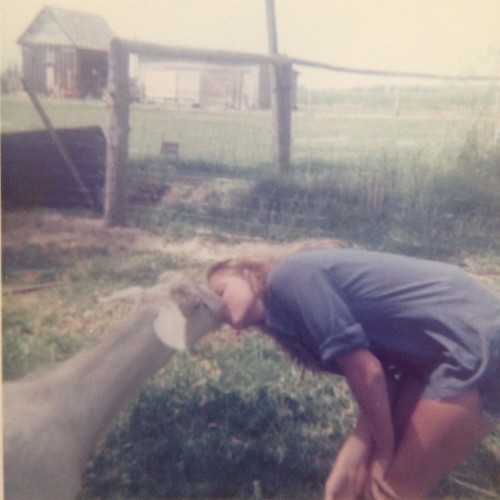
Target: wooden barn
65,53
206,86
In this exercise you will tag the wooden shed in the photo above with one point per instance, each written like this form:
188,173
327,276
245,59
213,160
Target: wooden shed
65,53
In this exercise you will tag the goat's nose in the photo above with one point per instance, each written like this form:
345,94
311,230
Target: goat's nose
214,303
221,311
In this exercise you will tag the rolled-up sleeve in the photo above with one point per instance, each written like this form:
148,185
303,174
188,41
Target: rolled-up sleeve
316,312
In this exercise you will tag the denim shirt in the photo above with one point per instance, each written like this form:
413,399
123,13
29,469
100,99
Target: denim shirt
426,318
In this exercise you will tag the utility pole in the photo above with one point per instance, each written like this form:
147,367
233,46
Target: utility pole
281,81
272,37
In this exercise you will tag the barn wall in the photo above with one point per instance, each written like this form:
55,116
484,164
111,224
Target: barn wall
51,70
66,72
179,85
34,71
221,87
93,73
207,86
264,92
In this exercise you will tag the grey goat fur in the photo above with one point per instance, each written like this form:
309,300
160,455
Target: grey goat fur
53,420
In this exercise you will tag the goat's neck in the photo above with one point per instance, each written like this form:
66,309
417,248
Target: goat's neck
95,383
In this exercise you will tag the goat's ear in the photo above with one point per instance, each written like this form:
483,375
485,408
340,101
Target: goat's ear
169,277
170,327
184,291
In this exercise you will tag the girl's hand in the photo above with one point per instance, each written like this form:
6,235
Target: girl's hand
350,470
366,378
345,484
377,487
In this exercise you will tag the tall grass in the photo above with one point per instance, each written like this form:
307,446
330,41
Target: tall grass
399,202
343,126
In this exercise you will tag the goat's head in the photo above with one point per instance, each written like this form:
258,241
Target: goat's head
201,308
186,310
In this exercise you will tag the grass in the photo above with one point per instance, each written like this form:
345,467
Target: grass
215,431
48,326
424,182
203,427
352,127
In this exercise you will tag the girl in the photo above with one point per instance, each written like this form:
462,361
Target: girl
417,341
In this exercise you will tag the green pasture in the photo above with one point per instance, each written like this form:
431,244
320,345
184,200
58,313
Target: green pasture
334,126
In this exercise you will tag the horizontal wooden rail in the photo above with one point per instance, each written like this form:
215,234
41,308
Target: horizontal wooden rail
199,55
229,57
119,103
399,74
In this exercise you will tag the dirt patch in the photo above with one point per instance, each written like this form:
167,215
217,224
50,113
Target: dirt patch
49,229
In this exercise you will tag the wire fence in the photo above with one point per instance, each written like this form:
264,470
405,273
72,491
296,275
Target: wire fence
363,158
381,203
368,148
328,126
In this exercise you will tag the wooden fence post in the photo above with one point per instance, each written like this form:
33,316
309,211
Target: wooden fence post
282,79
117,143
281,100
496,134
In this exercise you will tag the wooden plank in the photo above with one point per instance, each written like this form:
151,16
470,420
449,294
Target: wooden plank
200,55
60,147
282,117
35,287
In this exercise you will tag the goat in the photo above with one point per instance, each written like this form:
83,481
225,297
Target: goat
52,422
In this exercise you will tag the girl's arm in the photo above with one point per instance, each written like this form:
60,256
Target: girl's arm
366,378
349,471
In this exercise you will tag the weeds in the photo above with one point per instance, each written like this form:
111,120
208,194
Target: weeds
396,204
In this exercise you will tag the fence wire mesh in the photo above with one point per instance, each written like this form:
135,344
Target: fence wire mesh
360,164
362,158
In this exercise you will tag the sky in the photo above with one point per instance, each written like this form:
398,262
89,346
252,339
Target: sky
450,37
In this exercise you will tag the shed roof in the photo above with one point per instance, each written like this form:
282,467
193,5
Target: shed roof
56,26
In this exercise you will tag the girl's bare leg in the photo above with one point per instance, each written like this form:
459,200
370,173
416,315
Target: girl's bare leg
438,436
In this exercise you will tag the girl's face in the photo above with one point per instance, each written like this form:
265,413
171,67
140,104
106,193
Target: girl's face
242,305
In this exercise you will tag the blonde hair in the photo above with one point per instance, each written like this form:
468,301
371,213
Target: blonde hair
256,269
